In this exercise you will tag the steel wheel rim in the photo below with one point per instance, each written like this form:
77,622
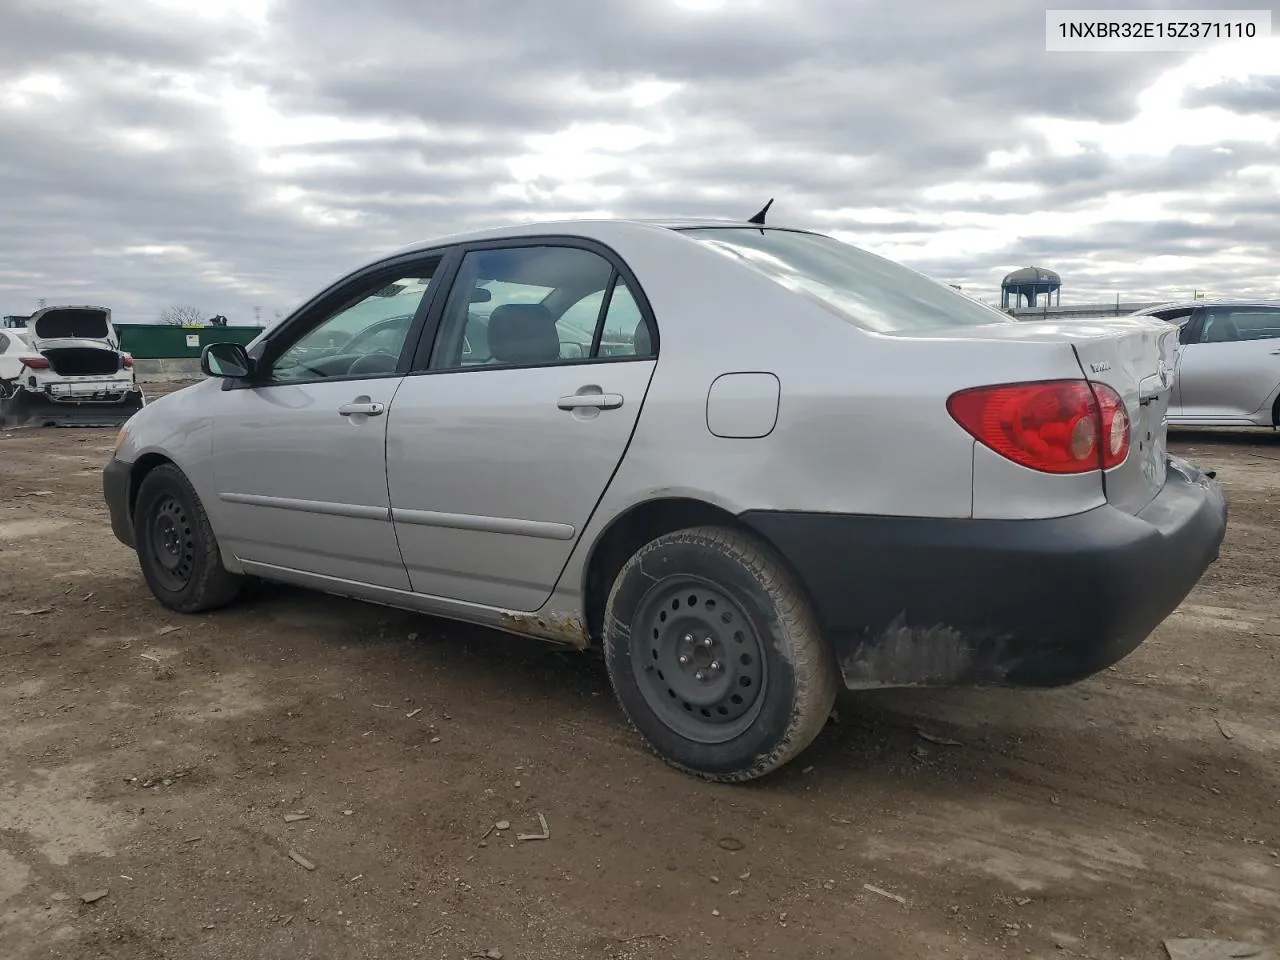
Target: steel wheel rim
173,544
697,660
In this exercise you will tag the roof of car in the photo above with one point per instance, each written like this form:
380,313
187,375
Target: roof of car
585,227
1218,302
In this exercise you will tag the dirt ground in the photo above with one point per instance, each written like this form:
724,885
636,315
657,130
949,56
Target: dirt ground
156,757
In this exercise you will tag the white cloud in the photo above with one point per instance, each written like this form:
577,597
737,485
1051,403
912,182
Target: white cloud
1164,122
237,154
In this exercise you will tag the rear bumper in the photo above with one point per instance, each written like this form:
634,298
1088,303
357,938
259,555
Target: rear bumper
115,492
30,408
939,602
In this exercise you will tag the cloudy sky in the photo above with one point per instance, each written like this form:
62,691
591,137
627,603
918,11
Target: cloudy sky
233,154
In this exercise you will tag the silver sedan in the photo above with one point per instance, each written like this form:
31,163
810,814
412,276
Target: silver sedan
1228,371
751,465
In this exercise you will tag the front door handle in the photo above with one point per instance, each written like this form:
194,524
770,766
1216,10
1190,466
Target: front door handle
368,409
600,401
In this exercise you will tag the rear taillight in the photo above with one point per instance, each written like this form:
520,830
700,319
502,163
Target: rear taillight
35,363
126,360
1055,426
1115,426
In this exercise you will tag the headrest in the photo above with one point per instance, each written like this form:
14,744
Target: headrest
523,333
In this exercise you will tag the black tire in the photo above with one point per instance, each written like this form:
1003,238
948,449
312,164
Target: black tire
176,547
725,589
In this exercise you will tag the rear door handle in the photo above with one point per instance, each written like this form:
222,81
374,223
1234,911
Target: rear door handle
368,409
600,401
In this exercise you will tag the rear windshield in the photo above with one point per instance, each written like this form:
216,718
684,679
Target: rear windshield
868,291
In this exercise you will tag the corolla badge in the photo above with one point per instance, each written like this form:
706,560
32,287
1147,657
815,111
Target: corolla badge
1102,366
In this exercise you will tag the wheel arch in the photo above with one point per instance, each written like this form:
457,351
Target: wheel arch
638,525
142,466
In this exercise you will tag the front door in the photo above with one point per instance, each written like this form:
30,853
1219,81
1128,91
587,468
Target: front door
499,449
1232,366
300,454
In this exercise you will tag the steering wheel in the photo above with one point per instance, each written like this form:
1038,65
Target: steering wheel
369,363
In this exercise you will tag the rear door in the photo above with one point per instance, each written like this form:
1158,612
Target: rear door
1138,362
502,442
1231,368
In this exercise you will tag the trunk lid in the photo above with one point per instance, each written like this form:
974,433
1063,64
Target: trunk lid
1137,361
1135,356
88,325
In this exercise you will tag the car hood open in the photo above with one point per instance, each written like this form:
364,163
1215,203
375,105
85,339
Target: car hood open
89,325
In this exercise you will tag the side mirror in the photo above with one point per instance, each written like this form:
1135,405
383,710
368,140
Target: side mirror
226,360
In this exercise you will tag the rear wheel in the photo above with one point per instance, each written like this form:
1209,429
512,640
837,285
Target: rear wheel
176,546
715,655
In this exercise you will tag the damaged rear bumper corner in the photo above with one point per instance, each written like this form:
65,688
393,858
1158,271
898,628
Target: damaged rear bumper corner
912,601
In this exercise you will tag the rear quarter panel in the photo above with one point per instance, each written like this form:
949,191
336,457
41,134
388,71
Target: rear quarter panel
862,423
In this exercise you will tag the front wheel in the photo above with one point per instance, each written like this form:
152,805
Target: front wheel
715,655
176,546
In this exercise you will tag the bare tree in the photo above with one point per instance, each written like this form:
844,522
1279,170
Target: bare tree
182,316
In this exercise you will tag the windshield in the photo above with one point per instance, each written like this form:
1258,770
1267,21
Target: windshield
866,290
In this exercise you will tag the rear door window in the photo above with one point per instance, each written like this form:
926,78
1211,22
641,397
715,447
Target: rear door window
538,305
1231,325
1257,323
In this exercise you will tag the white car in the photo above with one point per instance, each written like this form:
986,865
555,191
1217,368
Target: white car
1228,368
66,368
797,467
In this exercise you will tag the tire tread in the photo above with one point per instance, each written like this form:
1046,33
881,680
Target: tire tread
816,672
216,586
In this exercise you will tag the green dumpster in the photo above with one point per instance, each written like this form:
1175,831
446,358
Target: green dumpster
152,341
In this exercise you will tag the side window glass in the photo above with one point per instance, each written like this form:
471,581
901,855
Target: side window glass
576,327
363,338
625,332
1256,324
4,343
521,306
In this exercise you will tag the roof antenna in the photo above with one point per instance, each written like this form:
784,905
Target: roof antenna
759,217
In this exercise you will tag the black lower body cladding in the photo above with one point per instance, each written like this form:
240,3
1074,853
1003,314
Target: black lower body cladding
940,602
116,479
